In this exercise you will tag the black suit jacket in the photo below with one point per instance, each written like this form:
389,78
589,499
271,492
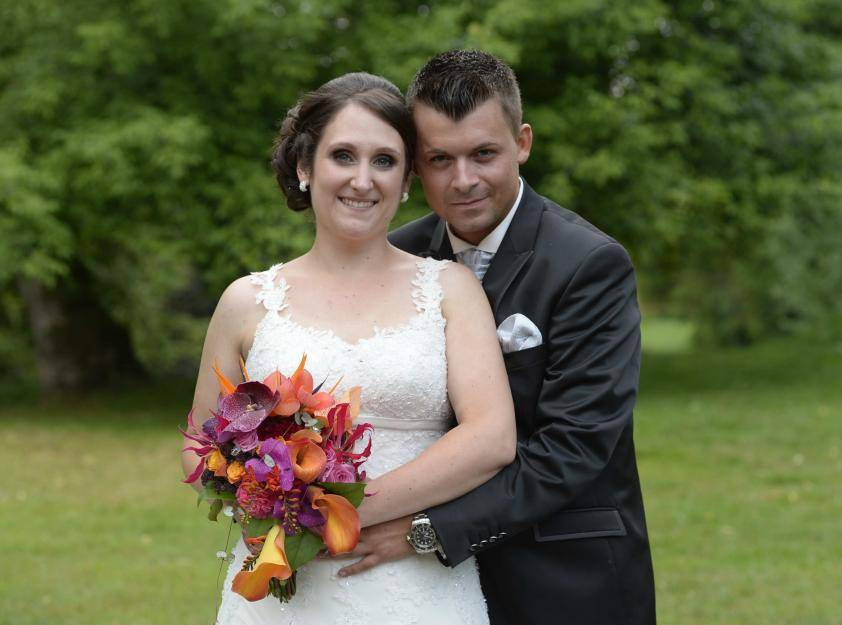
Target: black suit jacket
559,534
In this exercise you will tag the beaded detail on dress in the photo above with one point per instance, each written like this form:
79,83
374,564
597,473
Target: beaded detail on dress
403,373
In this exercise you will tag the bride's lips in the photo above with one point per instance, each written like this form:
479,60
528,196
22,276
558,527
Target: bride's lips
357,203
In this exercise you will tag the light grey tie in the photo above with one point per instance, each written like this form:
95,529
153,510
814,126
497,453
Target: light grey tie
476,260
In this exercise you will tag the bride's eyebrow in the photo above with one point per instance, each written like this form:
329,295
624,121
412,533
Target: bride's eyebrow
355,147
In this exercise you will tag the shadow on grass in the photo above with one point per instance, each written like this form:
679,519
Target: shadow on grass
126,405
776,364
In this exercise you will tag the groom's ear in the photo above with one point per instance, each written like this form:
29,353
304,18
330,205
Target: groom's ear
524,143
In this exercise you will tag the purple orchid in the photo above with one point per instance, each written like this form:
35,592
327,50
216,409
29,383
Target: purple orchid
309,516
242,412
273,453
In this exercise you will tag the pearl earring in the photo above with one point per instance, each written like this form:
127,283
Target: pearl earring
302,186
405,197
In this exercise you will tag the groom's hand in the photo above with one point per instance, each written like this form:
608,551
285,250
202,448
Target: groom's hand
378,544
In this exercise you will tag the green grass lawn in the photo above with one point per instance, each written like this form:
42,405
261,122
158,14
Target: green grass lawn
740,454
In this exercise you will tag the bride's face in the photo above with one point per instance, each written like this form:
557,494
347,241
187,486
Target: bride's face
357,176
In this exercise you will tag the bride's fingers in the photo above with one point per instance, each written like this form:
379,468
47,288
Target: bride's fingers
366,563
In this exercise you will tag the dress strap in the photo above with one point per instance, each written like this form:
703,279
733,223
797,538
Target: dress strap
427,293
273,288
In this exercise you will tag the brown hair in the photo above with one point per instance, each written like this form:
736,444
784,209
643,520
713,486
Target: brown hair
456,82
304,125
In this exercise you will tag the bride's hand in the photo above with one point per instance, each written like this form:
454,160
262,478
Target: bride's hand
381,543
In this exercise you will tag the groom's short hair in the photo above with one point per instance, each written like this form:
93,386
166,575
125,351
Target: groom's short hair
458,81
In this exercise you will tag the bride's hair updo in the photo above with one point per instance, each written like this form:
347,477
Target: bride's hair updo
304,125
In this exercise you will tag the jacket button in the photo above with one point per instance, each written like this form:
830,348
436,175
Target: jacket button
501,534
474,547
483,543
492,539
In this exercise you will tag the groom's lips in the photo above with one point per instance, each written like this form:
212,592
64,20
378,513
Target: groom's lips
469,203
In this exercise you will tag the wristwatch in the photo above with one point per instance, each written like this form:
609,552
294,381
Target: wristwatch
422,536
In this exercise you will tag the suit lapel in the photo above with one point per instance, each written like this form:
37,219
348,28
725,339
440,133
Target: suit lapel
440,248
515,249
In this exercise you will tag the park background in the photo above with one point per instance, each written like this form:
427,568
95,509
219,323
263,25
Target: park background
706,136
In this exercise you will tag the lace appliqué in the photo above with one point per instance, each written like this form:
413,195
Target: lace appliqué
427,293
271,294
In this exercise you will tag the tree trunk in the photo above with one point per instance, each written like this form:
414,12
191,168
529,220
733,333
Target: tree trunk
76,343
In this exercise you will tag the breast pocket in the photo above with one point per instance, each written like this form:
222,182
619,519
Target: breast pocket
525,358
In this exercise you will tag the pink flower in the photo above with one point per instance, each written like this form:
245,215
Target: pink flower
340,472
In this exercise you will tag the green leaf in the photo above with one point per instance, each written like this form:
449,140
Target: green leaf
301,548
353,491
210,493
259,527
215,509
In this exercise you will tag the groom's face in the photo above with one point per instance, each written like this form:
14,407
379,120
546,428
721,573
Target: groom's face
469,168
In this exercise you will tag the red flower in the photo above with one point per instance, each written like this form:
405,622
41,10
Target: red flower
254,498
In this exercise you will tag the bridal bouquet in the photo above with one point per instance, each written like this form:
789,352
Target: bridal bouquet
283,452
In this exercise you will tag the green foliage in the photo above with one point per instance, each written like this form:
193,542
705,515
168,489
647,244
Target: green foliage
259,527
352,491
302,547
134,141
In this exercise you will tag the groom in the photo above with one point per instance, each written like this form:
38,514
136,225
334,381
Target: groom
559,534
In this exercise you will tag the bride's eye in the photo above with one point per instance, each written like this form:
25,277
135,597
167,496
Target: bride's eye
384,161
342,156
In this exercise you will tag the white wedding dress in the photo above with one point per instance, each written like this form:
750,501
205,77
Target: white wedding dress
403,374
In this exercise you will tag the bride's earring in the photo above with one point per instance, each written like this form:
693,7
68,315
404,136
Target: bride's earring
302,186
405,197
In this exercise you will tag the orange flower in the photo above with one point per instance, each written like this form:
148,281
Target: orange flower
235,471
217,463
350,397
342,523
308,459
289,403
226,387
272,562
297,392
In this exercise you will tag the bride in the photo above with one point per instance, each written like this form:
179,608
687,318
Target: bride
416,334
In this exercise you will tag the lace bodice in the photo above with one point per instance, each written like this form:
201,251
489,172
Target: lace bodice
403,374
402,369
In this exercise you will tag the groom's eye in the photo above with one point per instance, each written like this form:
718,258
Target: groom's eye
438,159
485,154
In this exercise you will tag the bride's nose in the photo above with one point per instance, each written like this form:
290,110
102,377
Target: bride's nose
361,180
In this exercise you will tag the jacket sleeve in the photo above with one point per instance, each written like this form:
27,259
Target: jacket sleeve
584,404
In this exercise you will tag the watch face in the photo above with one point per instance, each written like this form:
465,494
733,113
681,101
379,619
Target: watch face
423,536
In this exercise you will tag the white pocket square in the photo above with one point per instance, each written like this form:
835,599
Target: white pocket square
517,333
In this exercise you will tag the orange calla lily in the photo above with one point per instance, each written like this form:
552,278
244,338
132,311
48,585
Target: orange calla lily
342,522
272,562
308,459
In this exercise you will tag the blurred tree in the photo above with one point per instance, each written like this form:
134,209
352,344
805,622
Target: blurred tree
134,141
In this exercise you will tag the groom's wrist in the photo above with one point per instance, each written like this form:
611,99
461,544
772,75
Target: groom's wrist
423,538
